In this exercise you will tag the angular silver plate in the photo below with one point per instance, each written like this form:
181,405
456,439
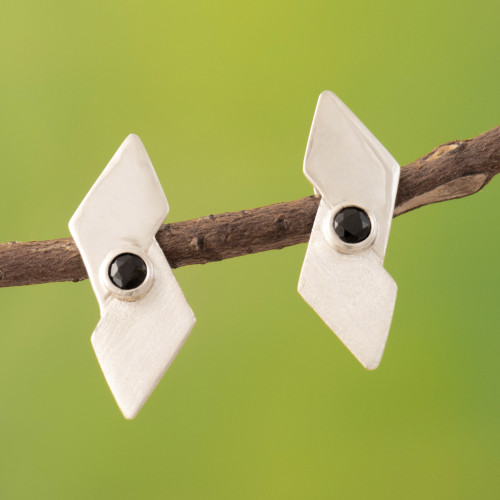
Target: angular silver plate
350,291
137,337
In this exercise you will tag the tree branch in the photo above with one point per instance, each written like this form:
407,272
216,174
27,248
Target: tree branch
452,170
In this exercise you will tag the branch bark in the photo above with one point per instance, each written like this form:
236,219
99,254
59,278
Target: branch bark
452,170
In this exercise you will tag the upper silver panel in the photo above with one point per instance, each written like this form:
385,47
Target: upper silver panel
348,165
125,206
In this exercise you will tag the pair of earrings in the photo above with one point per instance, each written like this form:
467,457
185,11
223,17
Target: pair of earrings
145,317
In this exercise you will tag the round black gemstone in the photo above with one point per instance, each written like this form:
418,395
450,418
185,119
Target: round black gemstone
127,271
352,225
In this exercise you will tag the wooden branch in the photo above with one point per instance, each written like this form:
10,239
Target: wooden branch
452,170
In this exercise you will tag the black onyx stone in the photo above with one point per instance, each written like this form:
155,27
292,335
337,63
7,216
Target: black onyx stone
127,271
352,225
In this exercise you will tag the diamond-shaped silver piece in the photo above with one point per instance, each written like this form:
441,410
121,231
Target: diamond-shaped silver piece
140,330
346,284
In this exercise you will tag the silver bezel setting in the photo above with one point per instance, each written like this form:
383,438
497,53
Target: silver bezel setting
136,293
333,238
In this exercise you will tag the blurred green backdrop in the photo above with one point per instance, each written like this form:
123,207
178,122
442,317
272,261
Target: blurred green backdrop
263,401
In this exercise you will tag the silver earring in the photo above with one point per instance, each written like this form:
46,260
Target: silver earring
343,278
145,317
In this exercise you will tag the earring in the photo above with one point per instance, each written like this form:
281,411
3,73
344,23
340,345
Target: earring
145,317
343,278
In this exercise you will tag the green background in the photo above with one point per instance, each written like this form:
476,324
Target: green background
263,402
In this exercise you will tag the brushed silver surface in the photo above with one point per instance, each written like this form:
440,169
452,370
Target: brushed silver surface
352,293
346,284
140,331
